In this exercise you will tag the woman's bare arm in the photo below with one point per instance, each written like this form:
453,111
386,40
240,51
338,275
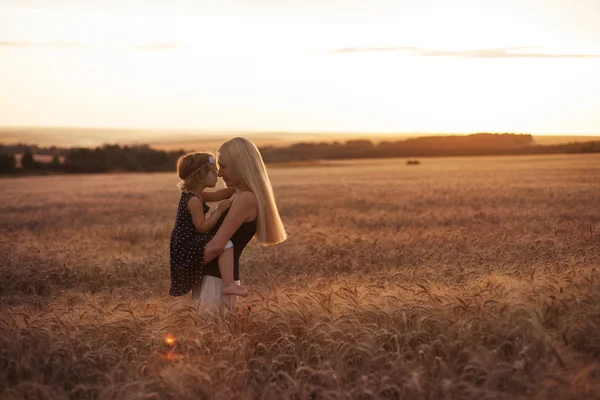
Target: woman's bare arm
242,208
220,194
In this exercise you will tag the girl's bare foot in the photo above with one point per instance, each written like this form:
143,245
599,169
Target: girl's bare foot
236,290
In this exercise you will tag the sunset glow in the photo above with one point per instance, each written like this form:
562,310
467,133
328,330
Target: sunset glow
399,66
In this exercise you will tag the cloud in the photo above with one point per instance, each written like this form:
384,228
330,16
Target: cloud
74,45
53,45
506,52
373,49
510,52
157,46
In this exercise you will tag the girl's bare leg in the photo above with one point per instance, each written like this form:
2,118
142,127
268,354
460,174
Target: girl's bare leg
226,269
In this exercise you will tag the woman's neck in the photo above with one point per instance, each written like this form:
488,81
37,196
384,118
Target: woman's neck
241,188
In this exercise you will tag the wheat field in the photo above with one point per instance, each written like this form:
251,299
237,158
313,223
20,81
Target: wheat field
460,278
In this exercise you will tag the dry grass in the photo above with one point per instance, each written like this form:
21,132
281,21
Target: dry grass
470,278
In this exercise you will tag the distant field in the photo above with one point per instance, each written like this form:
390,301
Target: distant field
164,139
197,140
288,139
460,278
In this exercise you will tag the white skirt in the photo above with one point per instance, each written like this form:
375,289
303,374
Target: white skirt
208,293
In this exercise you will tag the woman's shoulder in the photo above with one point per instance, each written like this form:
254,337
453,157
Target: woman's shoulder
245,204
246,199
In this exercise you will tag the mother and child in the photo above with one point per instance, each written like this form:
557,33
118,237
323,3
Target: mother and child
206,245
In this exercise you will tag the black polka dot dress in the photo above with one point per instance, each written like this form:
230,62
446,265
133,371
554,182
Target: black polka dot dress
187,249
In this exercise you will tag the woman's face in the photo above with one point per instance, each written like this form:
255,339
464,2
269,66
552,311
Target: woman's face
226,171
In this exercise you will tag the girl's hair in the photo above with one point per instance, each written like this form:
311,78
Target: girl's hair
192,169
245,159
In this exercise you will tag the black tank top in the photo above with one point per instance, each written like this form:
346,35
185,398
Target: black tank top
240,239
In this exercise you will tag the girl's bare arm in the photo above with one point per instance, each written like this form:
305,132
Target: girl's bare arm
201,222
218,195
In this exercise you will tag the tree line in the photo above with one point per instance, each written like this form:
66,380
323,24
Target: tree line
143,158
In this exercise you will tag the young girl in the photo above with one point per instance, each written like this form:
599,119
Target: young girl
192,230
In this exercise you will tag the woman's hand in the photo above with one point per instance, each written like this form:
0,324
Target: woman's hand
243,208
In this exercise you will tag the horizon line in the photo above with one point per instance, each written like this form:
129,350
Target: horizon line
271,132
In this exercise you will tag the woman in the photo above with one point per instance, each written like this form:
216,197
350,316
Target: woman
253,212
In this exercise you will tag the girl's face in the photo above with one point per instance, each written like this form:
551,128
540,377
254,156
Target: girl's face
227,172
210,180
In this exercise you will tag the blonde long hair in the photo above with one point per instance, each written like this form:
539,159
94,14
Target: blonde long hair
244,157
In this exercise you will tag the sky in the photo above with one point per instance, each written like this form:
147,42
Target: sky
452,66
